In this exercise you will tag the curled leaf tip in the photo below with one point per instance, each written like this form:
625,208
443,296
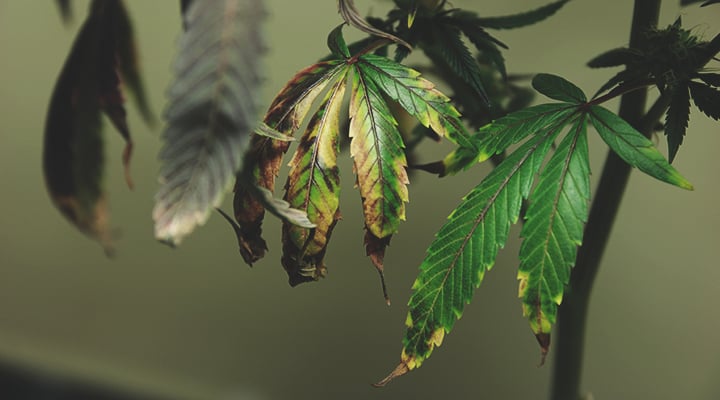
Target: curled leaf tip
352,16
400,370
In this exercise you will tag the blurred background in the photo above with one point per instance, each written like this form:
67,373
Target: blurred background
197,323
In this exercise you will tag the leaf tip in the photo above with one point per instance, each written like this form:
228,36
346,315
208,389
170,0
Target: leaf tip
544,342
400,370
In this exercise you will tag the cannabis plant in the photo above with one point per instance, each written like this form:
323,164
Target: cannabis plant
363,100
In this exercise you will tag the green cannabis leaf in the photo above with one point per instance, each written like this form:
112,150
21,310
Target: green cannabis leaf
673,59
89,84
211,112
553,230
466,245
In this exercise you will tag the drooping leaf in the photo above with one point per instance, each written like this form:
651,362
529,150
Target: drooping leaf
464,249
313,186
634,148
352,16
707,3
211,112
88,85
379,160
706,99
128,63
286,112
558,88
523,19
553,230
417,96
676,120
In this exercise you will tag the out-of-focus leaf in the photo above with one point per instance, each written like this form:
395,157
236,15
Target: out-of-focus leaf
634,148
614,58
127,62
449,46
676,120
522,19
313,186
706,99
352,16
66,11
211,112
287,111
88,85
558,88
553,230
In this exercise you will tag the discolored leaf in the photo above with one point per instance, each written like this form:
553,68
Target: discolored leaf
287,111
553,230
313,186
88,85
676,121
379,159
464,249
634,148
211,112
417,96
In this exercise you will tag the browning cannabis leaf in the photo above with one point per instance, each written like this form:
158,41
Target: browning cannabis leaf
102,59
376,147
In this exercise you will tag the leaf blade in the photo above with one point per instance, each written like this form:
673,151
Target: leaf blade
285,114
634,148
209,115
377,150
313,186
464,249
553,230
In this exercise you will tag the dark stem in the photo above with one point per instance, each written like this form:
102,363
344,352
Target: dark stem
567,370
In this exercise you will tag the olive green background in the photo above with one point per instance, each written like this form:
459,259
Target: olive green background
197,323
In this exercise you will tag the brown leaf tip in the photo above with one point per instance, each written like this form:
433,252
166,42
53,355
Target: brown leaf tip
544,341
400,370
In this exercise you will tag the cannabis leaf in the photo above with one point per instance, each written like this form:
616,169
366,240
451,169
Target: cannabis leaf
467,244
314,186
672,59
211,112
376,146
553,230
287,111
89,85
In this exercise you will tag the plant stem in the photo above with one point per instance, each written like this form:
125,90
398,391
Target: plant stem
616,172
